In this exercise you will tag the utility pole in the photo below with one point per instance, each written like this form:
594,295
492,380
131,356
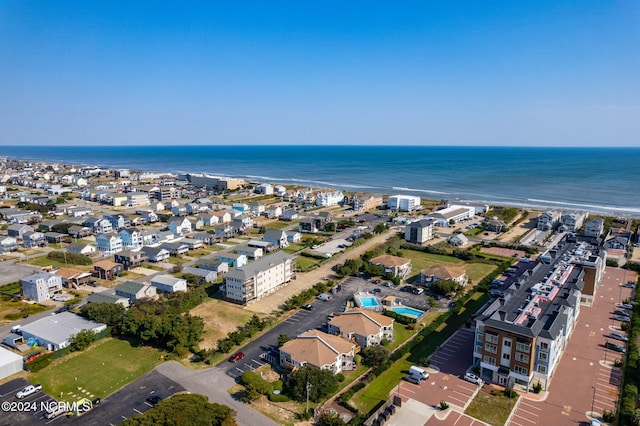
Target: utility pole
593,400
309,385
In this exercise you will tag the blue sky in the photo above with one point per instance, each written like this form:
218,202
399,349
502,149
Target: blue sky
548,73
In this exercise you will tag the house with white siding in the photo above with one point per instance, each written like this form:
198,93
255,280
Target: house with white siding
108,244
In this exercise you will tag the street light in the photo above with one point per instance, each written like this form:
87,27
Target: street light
309,386
593,400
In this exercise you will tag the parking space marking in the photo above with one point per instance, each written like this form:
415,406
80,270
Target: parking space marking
524,418
140,412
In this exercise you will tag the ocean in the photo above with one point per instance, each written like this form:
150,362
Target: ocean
599,180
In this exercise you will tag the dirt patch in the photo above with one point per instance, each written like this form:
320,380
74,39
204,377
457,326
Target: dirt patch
505,252
220,318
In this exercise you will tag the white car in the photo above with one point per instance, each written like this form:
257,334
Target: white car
29,390
624,305
470,377
618,336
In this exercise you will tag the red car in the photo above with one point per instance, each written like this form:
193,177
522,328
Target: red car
237,357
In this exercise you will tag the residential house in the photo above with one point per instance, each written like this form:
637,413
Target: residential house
149,216
361,204
56,237
34,239
98,225
134,291
617,242
204,275
196,223
175,249
293,236
79,231
156,254
251,252
79,211
312,224
41,286
548,220
8,244
274,212
393,265
137,199
263,188
257,208
130,259
266,247
290,214
594,228
233,259
192,243
18,230
438,272
169,284
319,349
329,198
118,221
216,266
180,225
225,231
108,244
209,219
131,238
572,221
277,237
72,278
108,296
365,327
419,232
223,216
81,248
250,282
107,270
179,210
458,240
119,200
242,223
206,238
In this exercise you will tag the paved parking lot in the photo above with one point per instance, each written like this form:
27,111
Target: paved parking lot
31,414
585,374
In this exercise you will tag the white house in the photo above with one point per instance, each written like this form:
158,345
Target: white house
41,286
180,225
404,203
277,237
265,276
169,284
458,240
109,244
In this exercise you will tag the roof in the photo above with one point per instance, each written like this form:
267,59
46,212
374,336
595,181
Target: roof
130,287
104,297
60,327
106,264
361,322
166,280
317,348
8,357
69,273
389,260
38,275
199,271
444,271
77,246
262,264
424,223
153,251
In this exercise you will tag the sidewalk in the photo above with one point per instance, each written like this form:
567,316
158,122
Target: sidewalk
273,302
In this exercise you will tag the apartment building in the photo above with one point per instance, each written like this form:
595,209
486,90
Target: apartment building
548,220
252,281
404,203
419,232
520,338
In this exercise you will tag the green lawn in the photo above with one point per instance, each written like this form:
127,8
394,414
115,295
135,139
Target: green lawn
293,248
305,264
45,261
420,261
99,371
491,409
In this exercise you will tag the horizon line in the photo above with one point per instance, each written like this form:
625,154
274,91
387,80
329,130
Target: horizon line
323,145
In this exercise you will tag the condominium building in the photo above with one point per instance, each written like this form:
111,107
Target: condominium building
419,232
405,203
520,338
548,220
252,281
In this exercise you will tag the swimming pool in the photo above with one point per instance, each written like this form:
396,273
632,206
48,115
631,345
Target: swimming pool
368,302
408,312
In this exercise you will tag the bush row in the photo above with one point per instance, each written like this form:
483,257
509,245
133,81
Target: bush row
627,414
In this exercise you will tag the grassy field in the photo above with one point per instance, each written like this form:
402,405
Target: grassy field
45,261
293,248
12,309
420,260
305,264
219,318
102,369
491,409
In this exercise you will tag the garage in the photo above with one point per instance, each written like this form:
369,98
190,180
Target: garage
10,363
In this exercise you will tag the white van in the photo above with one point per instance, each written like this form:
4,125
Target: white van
59,410
418,372
325,297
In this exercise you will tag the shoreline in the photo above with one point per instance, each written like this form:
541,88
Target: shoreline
434,195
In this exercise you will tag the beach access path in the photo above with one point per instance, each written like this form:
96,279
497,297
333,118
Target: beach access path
303,281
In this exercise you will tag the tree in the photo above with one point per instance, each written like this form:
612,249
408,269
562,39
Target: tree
380,228
82,340
445,287
282,339
185,409
373,356
330,418
330,227
107,313
323,383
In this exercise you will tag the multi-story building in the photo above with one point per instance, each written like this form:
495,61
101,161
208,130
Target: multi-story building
548,220
130,259
520,338
404,203
360,204
131,238
41,286
393,265
330,198
420,231
594,227
452,213
572,221
264,276
108,244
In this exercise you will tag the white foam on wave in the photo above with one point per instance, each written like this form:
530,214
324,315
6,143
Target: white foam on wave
428,191
588,206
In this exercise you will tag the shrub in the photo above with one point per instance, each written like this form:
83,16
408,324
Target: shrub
608,416
340,377
537,388
443,405
509,393
274,397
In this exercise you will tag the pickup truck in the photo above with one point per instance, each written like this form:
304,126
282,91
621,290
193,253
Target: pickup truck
29,390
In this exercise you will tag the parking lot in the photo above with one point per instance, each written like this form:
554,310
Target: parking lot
586,374
125,403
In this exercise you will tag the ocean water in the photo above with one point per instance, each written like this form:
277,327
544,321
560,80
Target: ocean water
594,179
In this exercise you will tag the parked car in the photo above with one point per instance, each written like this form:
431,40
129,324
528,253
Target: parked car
628,285
28,390
237,357
154,399
376,290
624,305
614,347
470,377
618,336
621,318
496,293
308,307
412,379
620,312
